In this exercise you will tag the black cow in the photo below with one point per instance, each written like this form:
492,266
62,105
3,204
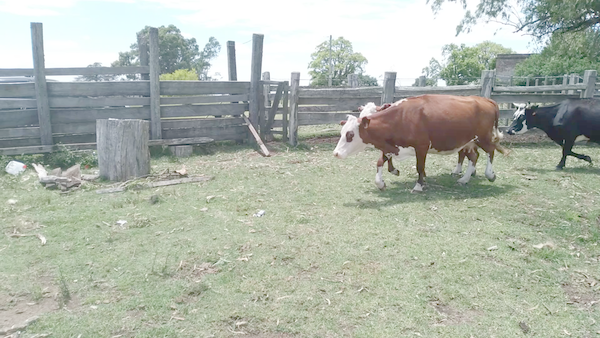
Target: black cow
565,123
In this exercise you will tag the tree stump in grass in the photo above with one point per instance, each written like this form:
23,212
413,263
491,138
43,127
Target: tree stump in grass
122,147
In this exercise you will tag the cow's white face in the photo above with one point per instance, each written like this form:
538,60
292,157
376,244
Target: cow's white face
350,141
519,123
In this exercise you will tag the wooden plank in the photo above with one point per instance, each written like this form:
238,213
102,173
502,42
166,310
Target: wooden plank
327,109
532,89
204,99
25,150
286,111
306,119
95,89
201,123
20,142
344,102
155,115
533,98
221,134
274,106
257,138
82,102
20,132
181,141
18,104
203,87
91,115
18,118
204,110
17,90
403,92
341,92
41,90
87,71
74,128
507,113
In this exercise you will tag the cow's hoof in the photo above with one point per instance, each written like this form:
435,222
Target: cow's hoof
492,179
461,183
395,172
588,159
381,186
418,188
559,167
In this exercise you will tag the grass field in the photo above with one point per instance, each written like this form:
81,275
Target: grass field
332,256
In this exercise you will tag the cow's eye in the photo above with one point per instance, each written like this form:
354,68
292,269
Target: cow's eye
349,136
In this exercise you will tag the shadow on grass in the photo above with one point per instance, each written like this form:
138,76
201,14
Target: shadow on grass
584,169
441,187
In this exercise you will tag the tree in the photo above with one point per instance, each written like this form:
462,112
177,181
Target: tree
344,62
180,75
366,80
539,18
463,65
175,52
431,73
95,78
565,53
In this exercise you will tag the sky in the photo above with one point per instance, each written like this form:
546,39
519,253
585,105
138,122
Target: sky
394,35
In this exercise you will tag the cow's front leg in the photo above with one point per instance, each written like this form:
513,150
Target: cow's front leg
421,155
461,158
567,146
581,157
379,176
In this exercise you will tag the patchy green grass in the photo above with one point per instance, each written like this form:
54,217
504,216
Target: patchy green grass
332,256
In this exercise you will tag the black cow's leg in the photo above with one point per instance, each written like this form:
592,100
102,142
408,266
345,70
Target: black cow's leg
581,157
567,146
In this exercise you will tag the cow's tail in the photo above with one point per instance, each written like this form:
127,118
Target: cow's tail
497,134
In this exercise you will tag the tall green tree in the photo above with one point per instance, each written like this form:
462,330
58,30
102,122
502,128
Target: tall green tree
463,65
175,52
565,53
343,59
431,73
539,18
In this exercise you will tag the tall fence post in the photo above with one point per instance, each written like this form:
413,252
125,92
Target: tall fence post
389,87
353,80
255,72
572,81
155,123
41,89
286,112
589,79
143,47
487,82
231,65
266,90
293,122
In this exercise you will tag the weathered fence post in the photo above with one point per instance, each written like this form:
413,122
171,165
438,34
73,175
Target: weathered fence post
589,79
422,81
352,80
285,112
155,123
389,87
255,87
231,65
487,82
572,81
142,41
293,123
41,89
266,90
565,82
122,147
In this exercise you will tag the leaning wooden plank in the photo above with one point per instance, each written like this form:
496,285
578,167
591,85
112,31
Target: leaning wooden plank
257,138
181,141
121,188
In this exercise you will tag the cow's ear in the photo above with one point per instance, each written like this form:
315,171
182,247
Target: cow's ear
360,108
365,121
343,122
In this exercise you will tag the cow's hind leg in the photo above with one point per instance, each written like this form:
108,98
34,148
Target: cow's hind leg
489,147
473,155
566,150
391,168
421,155
461,158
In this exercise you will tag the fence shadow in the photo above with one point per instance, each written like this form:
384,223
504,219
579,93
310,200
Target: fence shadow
441,187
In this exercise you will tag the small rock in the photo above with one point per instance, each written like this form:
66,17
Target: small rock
154,199
11,201
492,248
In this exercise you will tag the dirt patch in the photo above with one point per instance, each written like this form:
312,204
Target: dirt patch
450,315
580,292
195,271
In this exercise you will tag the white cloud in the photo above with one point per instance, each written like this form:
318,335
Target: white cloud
35,7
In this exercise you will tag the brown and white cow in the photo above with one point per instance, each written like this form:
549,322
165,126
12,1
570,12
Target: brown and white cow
370,109
439,124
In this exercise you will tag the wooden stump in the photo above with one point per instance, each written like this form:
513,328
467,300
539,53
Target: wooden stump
181,151
122,147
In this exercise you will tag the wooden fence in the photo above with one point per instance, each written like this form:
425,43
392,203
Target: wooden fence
310,106
36,116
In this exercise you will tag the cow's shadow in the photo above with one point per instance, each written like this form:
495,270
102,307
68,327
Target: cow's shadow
441,187
583,169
